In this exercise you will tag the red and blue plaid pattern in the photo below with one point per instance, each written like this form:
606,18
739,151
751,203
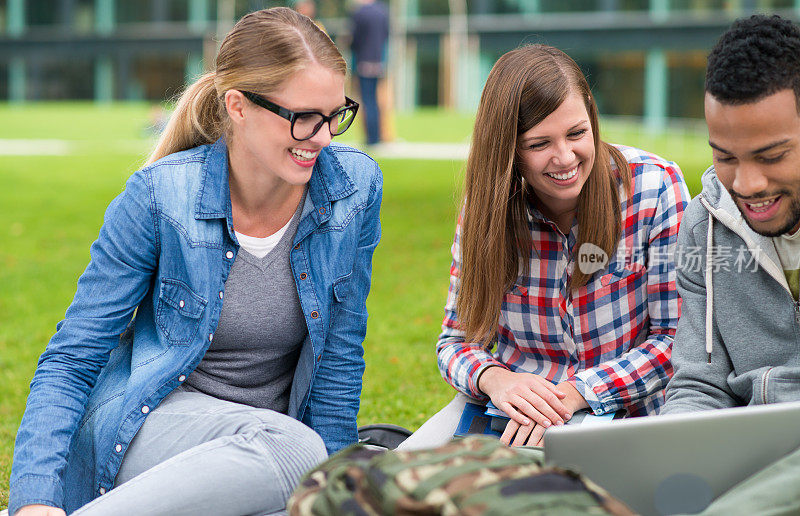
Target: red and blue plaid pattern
611,338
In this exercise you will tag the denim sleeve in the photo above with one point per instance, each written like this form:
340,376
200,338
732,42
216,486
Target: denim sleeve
334,399
123,259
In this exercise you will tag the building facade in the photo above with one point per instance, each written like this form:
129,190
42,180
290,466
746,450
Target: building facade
644,58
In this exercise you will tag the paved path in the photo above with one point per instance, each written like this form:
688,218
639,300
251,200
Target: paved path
393,150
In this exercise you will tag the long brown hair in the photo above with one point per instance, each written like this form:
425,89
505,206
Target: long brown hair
523,88
262,50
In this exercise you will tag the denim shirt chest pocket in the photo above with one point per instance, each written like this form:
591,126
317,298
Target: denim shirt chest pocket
179,311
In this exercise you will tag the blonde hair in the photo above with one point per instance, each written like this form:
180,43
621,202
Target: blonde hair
523,88
262,51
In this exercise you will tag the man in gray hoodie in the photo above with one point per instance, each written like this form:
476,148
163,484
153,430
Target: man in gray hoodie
738,268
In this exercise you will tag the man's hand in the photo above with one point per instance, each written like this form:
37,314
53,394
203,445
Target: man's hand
526,398
40,510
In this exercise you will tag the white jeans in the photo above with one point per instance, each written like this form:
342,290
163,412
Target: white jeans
196,454
440,428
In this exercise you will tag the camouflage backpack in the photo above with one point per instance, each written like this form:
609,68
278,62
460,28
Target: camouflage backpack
473,476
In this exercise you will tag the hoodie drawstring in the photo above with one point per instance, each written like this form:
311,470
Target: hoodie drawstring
709,287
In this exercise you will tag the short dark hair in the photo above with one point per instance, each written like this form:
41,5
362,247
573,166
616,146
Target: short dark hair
756,57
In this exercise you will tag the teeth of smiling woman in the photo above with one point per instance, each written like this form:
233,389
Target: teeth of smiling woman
564,177
761,206
300,153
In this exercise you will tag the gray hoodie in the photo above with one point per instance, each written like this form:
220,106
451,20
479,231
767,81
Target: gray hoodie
738,338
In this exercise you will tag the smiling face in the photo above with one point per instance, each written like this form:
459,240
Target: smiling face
556,156
756,153
263,140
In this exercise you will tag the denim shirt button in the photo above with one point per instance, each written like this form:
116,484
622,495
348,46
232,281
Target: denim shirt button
303,276
182,378
145,409
297,246
210,337
319,357
102,490
314,314
322,211
118,448
229,255
182,303
220,294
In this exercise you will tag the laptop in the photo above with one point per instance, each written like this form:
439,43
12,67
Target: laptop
676,464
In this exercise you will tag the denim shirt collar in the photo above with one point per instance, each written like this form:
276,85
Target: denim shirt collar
329,182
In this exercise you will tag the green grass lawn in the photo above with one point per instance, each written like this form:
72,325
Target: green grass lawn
51,208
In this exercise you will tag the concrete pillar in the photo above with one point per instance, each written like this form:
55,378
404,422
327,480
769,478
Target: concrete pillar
401,69
15,27
103,80
609,5
104,16
104,21
158,11
407,78
659,9
530,6
16,80
198,15
15,17
655,90
412,9
471,83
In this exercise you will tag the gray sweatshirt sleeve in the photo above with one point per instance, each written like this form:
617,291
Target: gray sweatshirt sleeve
696,384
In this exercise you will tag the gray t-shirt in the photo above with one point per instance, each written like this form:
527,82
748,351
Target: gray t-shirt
261,329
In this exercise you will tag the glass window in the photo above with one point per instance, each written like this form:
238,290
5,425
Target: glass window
42,12
3,18
617,82
4,81
428,71
686,84
59,79
159,77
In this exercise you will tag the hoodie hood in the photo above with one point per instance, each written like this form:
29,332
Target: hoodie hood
722,208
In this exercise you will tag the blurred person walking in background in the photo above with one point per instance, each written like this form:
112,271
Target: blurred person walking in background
308,8
543,194
370,33
213,350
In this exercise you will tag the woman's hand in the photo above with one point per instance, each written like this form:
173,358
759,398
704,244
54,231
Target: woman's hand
533,434
524,397
40,510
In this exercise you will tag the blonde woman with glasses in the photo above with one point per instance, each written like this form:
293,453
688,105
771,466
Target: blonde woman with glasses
562,288
213,351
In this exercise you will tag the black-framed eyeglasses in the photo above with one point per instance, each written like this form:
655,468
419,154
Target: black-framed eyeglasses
305,124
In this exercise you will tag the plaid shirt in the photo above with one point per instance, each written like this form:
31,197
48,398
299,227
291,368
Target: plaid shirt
611,338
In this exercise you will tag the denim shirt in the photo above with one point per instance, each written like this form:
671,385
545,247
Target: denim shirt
164,252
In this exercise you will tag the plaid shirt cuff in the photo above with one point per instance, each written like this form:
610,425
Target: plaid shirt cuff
587,390
473,380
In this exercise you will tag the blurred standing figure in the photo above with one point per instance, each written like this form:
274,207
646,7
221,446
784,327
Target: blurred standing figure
308,8
370,30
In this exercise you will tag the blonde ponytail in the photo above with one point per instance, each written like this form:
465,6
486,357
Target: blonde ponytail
198,119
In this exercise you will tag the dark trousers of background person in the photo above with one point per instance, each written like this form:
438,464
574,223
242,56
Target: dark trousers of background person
369,99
